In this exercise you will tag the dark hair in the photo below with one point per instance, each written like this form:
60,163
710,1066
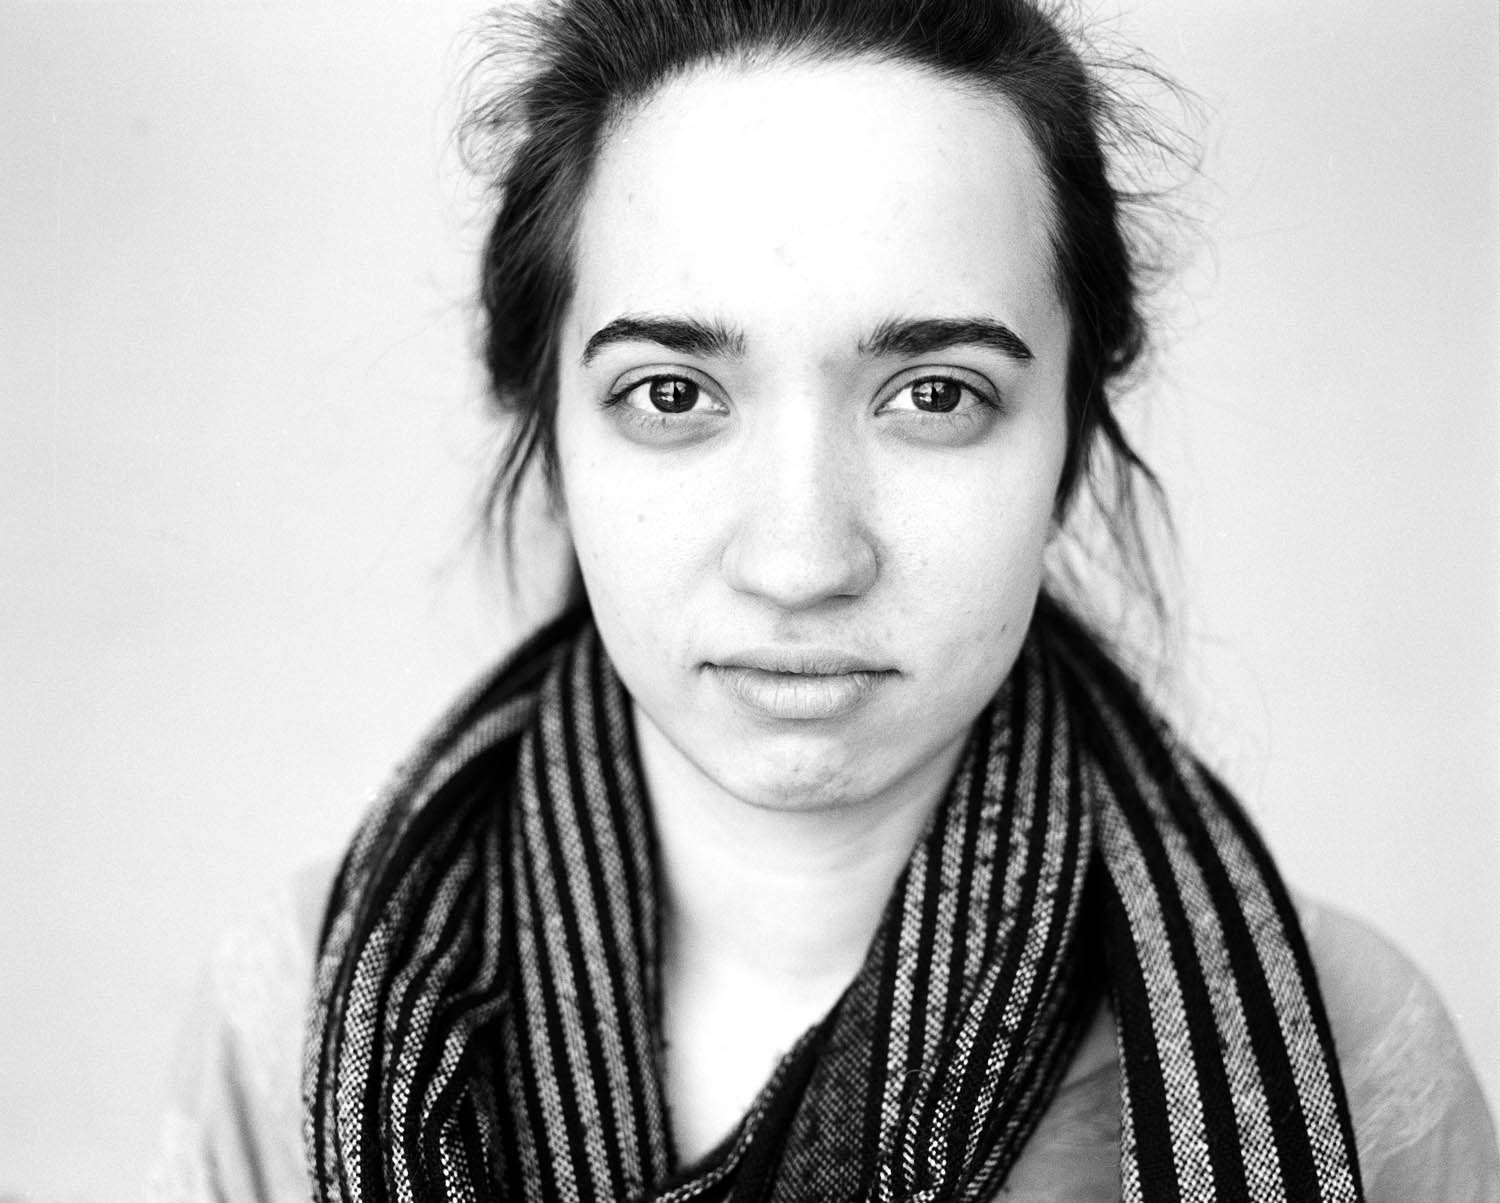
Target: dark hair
573,66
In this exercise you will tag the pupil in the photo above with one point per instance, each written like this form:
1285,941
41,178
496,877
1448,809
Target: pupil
673,396
936,396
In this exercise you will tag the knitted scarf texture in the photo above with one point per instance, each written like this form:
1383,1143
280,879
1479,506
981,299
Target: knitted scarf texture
487,1014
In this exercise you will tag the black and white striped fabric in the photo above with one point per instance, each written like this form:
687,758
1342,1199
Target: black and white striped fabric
486,1022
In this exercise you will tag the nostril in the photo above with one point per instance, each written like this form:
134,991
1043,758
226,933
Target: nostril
801,567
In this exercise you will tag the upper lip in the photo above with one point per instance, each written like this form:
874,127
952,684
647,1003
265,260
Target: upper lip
807,661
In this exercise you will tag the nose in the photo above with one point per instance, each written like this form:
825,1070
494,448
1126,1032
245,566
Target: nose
802,536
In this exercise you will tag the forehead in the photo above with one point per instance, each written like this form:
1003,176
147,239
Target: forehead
796,191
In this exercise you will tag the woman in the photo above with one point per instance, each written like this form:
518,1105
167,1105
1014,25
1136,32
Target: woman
819,850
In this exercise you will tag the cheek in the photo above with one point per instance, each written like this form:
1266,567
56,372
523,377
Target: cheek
634,530
968,553
599,523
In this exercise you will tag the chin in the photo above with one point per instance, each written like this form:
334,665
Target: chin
798,780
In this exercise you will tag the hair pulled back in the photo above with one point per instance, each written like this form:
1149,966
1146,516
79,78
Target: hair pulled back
572,68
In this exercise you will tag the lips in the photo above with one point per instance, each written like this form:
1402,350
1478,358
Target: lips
825,661
800,683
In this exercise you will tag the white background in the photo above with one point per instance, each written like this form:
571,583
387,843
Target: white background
241,441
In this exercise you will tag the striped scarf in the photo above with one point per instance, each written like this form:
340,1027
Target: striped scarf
487,1013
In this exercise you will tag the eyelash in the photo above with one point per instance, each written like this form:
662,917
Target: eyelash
652,423
654,420
982,398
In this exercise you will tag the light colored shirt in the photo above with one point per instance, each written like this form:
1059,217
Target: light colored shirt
233,1133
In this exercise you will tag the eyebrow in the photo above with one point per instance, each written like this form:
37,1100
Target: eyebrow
684,335
894,336
922,336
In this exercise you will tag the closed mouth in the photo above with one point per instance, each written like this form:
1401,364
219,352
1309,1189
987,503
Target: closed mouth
801,662
800,685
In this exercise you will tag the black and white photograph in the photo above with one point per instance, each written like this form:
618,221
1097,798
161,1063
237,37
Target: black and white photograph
749,601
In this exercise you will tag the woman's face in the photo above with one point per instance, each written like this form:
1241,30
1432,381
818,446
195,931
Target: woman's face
811,421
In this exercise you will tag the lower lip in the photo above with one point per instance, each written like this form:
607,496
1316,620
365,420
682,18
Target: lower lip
799,695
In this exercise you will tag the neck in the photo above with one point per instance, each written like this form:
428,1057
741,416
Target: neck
780,897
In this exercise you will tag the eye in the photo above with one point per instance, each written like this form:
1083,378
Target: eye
664,395
937,395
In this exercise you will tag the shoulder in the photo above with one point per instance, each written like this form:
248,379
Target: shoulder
233,1125
1420,1118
